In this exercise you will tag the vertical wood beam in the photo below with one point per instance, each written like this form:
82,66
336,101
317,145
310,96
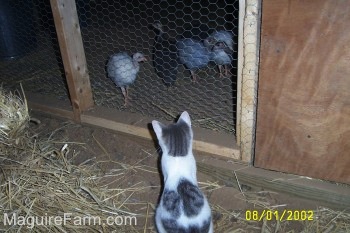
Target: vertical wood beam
73,55
248,77
240,70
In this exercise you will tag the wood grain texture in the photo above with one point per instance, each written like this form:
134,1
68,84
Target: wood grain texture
73,55
303,119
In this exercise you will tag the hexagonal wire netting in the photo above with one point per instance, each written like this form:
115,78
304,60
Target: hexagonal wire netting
109,27
29,50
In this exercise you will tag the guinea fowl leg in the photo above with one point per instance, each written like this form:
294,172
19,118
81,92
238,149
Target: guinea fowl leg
227,74
221,71
194,76
125,94
127,98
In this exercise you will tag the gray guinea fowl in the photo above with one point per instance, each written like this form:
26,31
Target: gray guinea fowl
122,69
194,55
223,57
221,41
220,36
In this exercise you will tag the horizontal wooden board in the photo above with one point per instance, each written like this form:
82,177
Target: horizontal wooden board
134,124
208,141
49,105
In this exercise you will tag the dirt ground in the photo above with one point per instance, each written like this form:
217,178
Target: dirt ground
229,205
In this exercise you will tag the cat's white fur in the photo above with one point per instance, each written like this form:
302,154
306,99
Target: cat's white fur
173,169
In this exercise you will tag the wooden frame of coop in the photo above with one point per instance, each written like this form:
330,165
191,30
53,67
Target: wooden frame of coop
72,50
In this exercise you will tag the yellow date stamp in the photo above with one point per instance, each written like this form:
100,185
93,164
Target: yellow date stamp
279,215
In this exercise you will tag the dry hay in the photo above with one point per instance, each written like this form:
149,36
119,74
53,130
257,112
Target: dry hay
43,191
47,184
14,117
325,220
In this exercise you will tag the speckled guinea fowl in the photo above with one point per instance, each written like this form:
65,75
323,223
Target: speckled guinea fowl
222,42
122,69
221,36
194,55
223,57
165,57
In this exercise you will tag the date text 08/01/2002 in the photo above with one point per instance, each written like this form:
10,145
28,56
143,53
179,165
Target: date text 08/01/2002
279,215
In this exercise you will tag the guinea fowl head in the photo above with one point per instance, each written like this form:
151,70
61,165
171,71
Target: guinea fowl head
157,25
223,36
139,57
209,42
221,46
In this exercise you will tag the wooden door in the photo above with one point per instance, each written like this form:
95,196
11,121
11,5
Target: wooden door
303,116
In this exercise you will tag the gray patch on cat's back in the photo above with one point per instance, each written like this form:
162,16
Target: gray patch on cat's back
171,226
177,138
192,197
171,202
206,226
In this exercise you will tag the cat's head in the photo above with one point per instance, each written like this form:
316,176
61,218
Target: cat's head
175,139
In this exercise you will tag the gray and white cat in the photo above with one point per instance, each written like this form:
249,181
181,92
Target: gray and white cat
182,207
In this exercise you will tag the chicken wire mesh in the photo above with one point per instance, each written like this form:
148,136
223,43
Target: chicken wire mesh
29,50
109,27
115,26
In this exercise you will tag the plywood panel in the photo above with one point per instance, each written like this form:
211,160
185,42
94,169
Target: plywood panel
303,118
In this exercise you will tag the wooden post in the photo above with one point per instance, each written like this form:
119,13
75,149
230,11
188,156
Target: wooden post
240,70
73,55
248,63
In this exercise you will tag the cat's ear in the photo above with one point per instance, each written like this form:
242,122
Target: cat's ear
186,118
157,127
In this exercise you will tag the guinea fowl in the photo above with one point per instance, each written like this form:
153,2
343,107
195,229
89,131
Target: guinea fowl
222,42
222,57
220,36
165,57
194,55
123,69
